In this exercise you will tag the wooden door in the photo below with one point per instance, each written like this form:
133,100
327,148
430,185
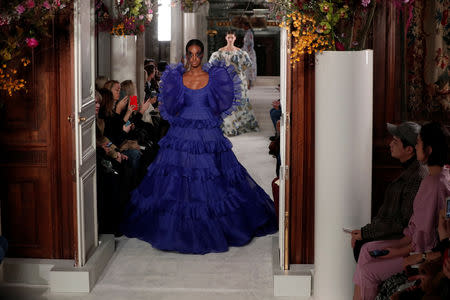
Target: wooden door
84,122
36,183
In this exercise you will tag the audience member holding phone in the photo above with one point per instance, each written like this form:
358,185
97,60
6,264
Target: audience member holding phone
394,214
420,235
429,277
112,170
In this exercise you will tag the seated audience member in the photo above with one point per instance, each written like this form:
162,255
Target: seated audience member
112,179
149,61
120,100
151,86
421,234
394,214
274,149
115,129
100,82
130,147
145,131
275,115
432,279
161,67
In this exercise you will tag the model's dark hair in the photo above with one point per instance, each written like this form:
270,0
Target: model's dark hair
196,43
435,135
231,31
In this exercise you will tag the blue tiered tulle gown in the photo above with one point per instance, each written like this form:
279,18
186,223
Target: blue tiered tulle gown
196,197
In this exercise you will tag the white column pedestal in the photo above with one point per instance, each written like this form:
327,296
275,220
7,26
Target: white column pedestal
123,57
343,165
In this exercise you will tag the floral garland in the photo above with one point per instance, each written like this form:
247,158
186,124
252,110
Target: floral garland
129,17
319,25
23,25
191,5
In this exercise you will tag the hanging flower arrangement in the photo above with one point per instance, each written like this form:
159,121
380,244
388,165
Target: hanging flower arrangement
319,25
190,5
23,25
128,17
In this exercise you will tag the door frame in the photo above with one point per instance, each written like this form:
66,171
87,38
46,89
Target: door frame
85,143
285,141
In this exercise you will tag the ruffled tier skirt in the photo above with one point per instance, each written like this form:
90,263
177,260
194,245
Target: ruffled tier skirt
196,197
241,120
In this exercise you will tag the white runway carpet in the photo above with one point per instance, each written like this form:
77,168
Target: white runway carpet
137,271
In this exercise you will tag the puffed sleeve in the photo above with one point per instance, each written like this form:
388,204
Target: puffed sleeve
214,56
171,98
247,62
225,91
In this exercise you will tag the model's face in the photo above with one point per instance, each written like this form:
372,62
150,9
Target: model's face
397,149
231,38
116,91
194,56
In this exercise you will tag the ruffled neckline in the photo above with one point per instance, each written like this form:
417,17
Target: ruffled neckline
202,88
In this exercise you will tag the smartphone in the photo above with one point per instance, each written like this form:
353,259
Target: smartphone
128,123
347,230
378,253
133,101
447,211
153,94
109,144
122,94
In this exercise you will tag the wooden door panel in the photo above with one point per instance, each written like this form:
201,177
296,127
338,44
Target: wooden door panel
36,156
26,211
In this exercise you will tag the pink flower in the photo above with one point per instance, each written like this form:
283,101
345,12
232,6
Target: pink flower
20,9
57,2
31,42
150,11
4,21
365,3
30,3
46,5
339,46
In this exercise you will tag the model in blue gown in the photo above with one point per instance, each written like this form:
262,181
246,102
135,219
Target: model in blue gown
196,197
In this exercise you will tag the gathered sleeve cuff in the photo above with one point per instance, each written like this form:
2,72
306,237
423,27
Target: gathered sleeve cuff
171,92
225,88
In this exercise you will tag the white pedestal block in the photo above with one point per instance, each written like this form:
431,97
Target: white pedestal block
123,58
59,274
296,282
343,165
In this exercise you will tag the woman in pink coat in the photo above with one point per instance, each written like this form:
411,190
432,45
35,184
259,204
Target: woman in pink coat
421,233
